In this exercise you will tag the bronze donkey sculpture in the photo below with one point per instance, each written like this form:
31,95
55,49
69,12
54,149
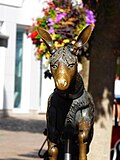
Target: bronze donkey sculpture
70,113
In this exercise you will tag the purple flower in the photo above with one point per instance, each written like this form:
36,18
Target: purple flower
90,18
59,17
51,30
50,22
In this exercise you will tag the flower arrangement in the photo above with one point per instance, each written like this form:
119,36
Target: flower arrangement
62,22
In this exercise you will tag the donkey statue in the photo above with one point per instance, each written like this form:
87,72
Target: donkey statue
70,113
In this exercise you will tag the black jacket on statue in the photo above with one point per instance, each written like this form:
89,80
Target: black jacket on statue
67,108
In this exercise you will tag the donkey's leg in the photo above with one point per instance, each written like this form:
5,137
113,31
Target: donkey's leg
51,131
83,136
85,120
52,151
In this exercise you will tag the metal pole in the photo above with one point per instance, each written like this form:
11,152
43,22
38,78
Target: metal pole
67,154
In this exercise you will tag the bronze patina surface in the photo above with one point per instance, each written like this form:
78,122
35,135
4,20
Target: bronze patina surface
70,113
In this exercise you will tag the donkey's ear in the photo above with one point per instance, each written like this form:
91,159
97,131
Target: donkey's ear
46,38
84,36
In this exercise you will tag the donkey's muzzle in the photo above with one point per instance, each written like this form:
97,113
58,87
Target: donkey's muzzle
61,84
63,75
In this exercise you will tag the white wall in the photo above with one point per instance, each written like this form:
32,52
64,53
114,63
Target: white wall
9,65
2,69
14,3
30,9
30,100
46,88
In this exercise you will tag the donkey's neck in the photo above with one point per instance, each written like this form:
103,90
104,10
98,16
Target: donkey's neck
75,89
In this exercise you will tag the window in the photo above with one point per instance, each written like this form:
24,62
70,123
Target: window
18,66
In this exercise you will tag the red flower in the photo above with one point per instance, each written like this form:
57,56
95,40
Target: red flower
60,41
39,50
33,35
34,41
46,13
51,4
44,9
38,22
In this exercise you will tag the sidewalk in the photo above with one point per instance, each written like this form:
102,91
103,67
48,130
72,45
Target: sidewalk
21,137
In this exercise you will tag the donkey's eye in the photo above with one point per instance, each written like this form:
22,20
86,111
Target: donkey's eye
71,49
54,66
71,65
53,51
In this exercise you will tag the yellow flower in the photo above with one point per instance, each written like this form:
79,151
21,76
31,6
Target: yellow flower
57,44
73,42
66,41
47,55
76,37
61,10
42,46
53,36
38,57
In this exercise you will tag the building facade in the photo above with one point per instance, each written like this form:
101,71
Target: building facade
23,88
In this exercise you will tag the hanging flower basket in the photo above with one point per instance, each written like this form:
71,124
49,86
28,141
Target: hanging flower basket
63,23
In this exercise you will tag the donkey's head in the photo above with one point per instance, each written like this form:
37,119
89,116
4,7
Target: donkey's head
63,61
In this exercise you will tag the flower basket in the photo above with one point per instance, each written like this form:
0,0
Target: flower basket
63,20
